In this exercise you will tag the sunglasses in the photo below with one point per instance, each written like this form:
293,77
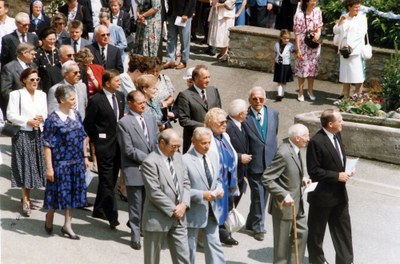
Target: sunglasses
70,55
24,25
34,79
75,73
105,34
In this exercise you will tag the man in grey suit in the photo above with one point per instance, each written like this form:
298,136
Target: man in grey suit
167,189
71,72
76,41
205,187
11,72
194,102
137,135
284,178
261,126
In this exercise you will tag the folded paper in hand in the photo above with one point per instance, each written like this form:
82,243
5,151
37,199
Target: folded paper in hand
311,187
179,23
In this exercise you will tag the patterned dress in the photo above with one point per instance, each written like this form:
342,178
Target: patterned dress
307,66
148,36
65,138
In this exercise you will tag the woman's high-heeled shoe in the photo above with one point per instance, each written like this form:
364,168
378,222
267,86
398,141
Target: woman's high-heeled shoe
70,236
122,196
49,230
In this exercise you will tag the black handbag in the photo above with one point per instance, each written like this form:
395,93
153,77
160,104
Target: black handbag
10,129
345,52
308,38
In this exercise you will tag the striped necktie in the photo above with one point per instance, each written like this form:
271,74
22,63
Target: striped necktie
175,179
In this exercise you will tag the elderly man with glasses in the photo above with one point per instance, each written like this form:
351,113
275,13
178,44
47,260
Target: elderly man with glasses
72,75
261,126
9,43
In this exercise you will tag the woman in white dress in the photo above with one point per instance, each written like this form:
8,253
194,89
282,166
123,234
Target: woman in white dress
221,18
351,29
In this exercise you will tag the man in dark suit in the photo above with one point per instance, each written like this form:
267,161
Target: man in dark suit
104,110
137,135
194,102
261,126
75,40
237,114
167,188
205,188
11,72
284,178
105,54
10,42
83,14
326,162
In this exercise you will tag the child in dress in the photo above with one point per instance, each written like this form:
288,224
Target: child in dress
282,69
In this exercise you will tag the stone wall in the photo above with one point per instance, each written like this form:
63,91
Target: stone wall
252,48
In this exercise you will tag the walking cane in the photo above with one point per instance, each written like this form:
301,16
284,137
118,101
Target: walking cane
296,248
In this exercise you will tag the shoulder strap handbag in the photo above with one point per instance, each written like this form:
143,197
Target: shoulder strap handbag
308,38
366,50
10,129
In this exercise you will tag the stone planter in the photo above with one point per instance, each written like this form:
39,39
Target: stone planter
365,137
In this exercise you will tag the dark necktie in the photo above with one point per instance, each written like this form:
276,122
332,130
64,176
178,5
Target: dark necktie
301,162
23,37
203,96
76,47
175,178
335,139
115,105
146,135
103,56
207,171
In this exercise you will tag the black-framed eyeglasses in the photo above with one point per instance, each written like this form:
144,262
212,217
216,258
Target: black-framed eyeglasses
24,25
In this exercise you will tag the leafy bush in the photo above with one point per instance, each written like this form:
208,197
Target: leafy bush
383,32
391,82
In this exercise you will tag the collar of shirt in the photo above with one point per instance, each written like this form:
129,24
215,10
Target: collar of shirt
39,18
23,64
296,148
237,123
105,49
255,112
63,116
330,136
199,90
20,35
164,158
137,116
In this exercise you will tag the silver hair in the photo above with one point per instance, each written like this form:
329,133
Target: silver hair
24,46
237,106
167,135
20,16
63,48
297,130
212,116
67,66
99,27
256,88
201,131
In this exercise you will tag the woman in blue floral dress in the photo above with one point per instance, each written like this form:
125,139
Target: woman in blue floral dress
66,160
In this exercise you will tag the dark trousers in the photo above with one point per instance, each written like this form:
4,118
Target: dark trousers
284,20
338,219
258,202
108,167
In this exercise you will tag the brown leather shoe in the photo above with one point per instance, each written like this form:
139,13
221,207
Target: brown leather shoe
180,66
170,64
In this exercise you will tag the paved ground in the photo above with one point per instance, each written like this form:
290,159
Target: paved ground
374,198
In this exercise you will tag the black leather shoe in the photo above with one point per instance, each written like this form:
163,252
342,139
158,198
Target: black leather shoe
259,236
69,235
136,245
230,241
114,223
49,230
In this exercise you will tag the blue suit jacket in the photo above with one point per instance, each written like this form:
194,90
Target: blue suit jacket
263,151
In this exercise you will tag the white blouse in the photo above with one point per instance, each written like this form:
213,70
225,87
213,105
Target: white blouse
30,107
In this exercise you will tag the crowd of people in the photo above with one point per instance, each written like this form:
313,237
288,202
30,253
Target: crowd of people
75,103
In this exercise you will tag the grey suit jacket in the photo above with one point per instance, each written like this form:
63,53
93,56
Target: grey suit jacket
192,109
81,93
282,177
161,197
69,41
134,146
197,216
263,151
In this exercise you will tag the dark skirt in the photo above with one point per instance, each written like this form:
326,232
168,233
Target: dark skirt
27,160
283,73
